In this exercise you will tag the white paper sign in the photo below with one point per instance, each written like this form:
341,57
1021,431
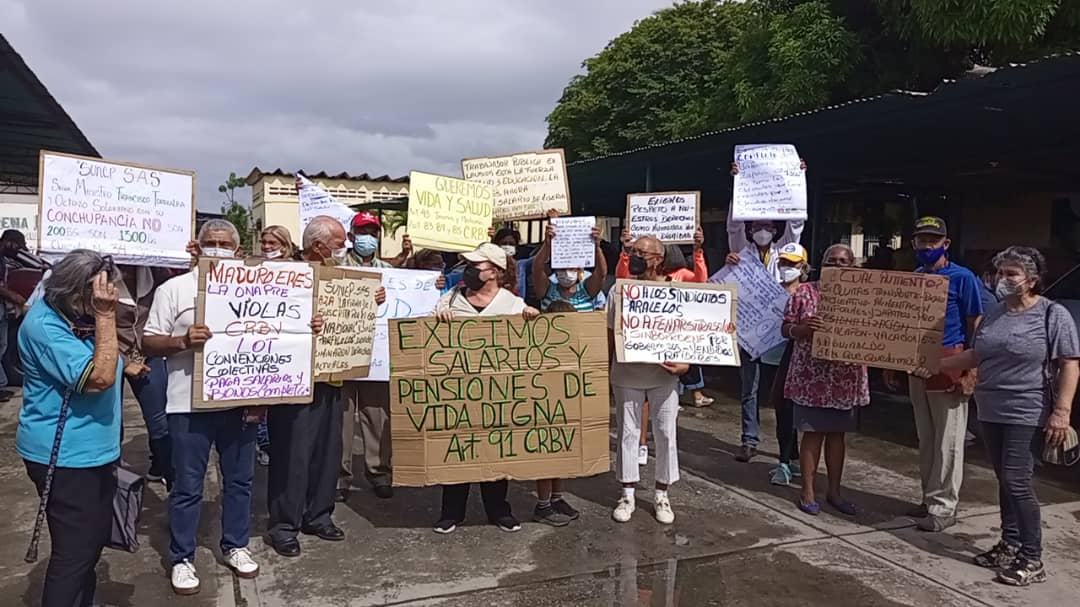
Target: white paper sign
409,294
140,215
22,217
573,245
525,185
681,322
672,217
770,183
260,316
761,305
315,201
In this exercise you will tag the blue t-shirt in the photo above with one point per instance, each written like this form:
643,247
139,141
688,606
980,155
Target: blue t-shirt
54,361
965,301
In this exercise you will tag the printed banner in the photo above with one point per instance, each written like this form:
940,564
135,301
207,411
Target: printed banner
658,322
496,397
573,245
673,217
262,350
141,215
315,201
347,304
409,294
770,184
890,320
762,302
525,185
448,214
22,217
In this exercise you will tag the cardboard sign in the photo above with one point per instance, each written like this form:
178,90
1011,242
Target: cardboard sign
762,301
573,245
139,214
409,294
347,303
262,350
891,320
770,183
448,214
525,185
315,201
675,322
496,397
673,217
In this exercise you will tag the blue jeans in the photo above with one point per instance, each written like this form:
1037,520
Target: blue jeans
3,347
757,380
192,435
1012,450
150,390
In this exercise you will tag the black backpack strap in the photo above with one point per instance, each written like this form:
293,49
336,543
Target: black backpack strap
32,550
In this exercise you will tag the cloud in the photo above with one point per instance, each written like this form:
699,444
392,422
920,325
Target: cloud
335,85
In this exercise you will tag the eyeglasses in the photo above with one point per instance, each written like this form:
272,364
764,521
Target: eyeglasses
838,261
643,253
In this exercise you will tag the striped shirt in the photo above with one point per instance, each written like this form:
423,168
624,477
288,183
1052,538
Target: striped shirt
580,298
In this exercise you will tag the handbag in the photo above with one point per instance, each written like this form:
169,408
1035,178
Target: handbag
127,503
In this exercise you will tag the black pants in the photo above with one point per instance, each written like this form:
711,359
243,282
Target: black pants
305,455
80,520
1012,450
455,500
786,434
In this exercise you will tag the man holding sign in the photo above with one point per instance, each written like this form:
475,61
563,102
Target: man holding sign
571,286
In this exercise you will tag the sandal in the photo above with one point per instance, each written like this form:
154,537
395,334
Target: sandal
843,506
813,508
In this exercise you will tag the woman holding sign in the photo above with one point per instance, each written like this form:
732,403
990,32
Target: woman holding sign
571,286
480,295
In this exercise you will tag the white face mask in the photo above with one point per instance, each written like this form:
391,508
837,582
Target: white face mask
763,237
789,274
272,254
339,255
566,278
509,249
218,252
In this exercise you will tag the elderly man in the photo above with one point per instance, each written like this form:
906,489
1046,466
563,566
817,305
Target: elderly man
171,332
305,440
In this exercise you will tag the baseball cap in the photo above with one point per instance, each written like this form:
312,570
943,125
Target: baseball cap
365,218
487,252
1065,454
932,226
794,252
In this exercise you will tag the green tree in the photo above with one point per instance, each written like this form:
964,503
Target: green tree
392,221
236,212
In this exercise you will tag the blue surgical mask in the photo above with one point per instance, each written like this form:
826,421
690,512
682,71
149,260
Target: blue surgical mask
365,245
929,257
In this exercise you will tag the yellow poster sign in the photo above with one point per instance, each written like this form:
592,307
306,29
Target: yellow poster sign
448,214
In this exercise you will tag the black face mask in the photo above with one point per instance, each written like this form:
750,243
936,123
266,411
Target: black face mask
471,278
638,265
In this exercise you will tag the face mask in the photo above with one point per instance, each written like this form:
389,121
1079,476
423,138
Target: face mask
929,257
1008,288
638,265
272,254
763,237
217,252
788,274
339,255
566,278
509,249
365,245
471,278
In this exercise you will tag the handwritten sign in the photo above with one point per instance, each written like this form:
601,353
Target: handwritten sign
891,320
347,303
409,294
448,214
770,183
141,215
525,185
315,201
761,305
22,217
659,322
673,217
573,245
262,349
499,397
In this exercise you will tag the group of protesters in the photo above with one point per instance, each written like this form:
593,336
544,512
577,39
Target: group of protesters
93,324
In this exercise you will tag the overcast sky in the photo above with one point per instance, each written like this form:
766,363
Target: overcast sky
335,85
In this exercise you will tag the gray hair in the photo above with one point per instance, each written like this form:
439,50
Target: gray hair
320,229
219,225
69,287
838,245
1028,258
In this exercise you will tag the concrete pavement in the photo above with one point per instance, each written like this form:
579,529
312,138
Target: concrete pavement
737,540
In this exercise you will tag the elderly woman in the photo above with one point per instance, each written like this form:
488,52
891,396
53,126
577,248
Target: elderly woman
275,242
71,362
826,394
1026,352
570,285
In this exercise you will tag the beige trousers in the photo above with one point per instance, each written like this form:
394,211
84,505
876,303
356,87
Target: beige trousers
370,401
941,421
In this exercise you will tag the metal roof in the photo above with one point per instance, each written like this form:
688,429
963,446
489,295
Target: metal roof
31,120
257,173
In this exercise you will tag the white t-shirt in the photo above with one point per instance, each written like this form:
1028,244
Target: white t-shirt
172,314
638,376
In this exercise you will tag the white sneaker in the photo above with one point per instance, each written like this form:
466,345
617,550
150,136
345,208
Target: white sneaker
642,455
664,514
240,561
624,510
184,579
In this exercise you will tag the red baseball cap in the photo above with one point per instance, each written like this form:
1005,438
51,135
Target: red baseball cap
365,218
